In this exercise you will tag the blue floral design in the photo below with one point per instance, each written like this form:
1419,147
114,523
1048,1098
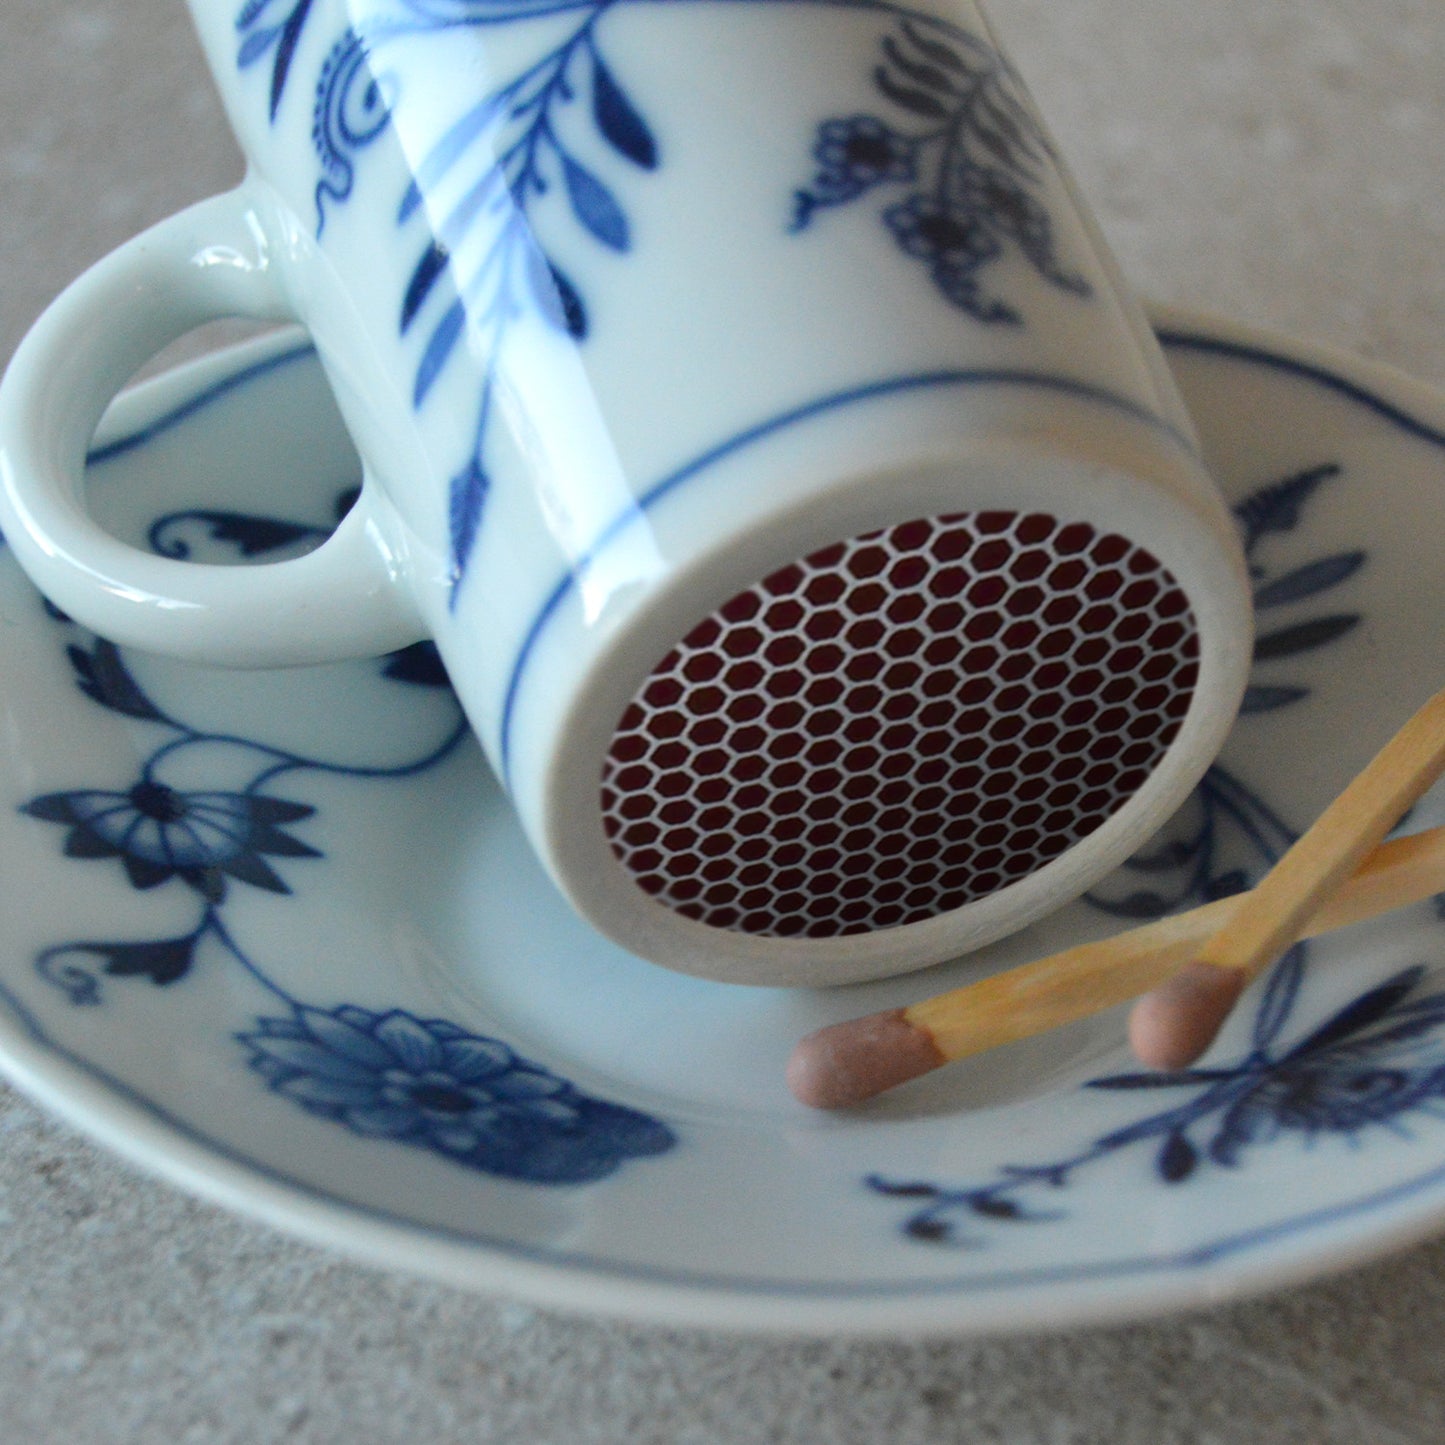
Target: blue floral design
956,245
859,153
515,139
176,534
935,232
1370,1063
160,833
432,1084
426,1083
1199,858
961,134
1375,1061
965,137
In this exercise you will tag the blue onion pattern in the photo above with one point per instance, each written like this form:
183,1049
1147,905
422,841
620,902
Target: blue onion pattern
423,1083
1374,1062
428,1083
972,161
159,833
957,140
1370,1065
353,109
517,144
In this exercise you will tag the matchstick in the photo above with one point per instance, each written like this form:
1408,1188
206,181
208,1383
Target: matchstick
1175,1023
849,1063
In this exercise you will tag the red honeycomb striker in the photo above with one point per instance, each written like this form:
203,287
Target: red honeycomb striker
899,724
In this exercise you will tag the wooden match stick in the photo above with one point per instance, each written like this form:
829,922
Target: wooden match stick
849,1063
1172,1025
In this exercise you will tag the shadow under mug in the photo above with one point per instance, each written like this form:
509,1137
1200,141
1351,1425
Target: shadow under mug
754,418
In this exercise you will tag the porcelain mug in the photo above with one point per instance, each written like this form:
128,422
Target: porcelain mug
754,417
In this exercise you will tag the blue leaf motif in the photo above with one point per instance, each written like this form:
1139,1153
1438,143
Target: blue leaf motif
1309,580
434,166
255,46
919,102
908,1190
433,262
1258,699
103,676
1370,1008
285,52
618,120
163,961
1304,637
557,298
992,1208
925,73
935,50
444,338
1177,1159
574,313
468,497
251,12
1278,506
928,1231
1119,1082
594,206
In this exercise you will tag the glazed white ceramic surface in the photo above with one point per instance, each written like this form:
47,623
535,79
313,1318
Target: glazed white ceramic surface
355,1007
617,336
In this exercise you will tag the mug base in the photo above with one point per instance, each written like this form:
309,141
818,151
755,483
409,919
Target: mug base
899,725
721,794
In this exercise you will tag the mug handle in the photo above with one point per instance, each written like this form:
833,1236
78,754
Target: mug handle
214,260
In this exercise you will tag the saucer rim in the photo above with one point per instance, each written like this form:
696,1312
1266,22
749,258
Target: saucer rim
143,1132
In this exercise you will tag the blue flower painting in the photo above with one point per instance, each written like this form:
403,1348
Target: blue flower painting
159,833
961,144
431,1084
544,159
857,153
389,1076
1371,1065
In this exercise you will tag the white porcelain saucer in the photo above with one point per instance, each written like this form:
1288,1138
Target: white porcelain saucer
275,937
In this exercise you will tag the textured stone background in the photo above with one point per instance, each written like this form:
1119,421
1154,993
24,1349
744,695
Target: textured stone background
1266,158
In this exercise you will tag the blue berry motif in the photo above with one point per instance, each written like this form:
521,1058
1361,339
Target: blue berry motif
963,145
857,154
